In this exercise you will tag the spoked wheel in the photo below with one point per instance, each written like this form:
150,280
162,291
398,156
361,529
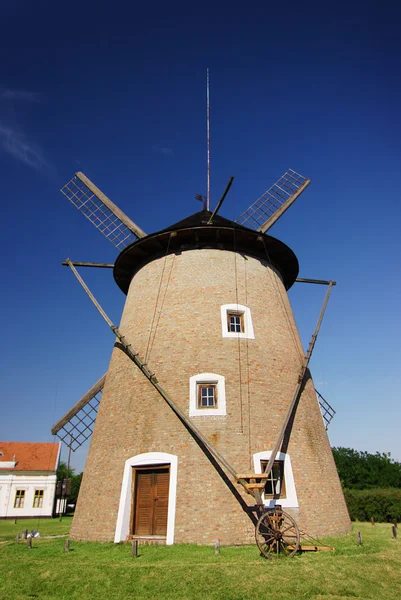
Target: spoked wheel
277,533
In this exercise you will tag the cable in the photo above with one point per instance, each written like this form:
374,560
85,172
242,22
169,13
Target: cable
157,298
248,378
293,332
161,307
238,337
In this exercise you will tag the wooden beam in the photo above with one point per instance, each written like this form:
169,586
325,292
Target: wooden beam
89,264
151,376
300,383
252,476
285,206
220,202
136,230
317,281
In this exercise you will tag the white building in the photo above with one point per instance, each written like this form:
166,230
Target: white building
28,478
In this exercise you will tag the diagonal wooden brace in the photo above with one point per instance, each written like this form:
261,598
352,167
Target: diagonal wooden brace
153,380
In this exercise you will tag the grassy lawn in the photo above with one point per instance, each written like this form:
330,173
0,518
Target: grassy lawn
8,530
108,571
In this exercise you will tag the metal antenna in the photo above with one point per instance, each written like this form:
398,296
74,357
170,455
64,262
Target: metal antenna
208,138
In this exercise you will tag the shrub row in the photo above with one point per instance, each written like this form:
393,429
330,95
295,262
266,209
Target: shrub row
382,504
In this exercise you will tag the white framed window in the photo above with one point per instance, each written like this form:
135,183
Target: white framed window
236,321
207,395
280,487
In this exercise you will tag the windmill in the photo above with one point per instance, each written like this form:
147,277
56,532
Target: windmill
207,371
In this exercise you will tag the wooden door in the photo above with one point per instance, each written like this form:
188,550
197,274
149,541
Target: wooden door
151,501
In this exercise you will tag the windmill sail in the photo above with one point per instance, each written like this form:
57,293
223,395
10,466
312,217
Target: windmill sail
76,426
327,411
267,209
119,229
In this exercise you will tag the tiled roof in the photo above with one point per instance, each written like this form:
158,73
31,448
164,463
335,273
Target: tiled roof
30,456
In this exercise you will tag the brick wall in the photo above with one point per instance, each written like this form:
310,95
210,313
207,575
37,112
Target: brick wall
172,315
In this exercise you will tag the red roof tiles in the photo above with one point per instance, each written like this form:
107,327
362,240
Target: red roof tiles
30,456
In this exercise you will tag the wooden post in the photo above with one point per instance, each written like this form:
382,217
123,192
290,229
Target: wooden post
17,538
67,546
372,521
359,538
29,542
394,531
298,389
135,548
217,547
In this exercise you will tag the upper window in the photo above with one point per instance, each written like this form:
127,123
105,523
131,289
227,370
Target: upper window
207,395
236,321
19,499
38,499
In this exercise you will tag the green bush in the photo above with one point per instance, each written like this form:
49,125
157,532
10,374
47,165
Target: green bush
384,505
362,471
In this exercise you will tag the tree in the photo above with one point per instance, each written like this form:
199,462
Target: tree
63,472
75,485
361,470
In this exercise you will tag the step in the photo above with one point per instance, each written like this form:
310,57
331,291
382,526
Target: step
252,476
255,486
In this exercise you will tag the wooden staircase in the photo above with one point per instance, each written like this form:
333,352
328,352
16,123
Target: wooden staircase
254,484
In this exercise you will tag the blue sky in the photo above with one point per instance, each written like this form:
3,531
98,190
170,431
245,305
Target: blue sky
118,91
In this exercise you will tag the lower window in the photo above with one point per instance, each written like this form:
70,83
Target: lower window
275,484
280,485
19,499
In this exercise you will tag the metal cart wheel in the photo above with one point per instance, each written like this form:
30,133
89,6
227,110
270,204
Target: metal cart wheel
277,532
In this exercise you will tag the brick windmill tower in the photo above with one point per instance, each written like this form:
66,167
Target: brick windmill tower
207,422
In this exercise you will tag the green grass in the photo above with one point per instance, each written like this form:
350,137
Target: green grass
45,526
108,571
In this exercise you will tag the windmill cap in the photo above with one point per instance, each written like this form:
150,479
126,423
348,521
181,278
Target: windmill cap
194,233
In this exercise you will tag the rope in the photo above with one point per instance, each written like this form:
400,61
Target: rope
161,307
40,516
238,338
53,437
303,534
248,379
157,299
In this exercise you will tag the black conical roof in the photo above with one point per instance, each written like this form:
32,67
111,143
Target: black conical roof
192,233
201,218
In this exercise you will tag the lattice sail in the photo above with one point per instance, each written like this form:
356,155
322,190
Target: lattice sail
267,209
76,426
327,411
101,211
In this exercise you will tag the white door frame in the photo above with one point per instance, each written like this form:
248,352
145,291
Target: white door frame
124,511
